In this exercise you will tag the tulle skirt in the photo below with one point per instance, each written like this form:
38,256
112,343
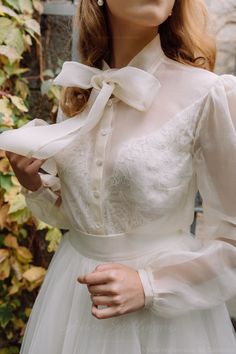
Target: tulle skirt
61,321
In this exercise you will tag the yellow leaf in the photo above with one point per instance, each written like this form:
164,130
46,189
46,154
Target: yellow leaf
23,254
17,204
5,268
8,11
40,225
18,323
4,215
54,237
15,287
15,181
17,267
4,254
10,241
20,216
38,6
10,195
19,103
4,166
33,25
34,274
2,153
28,311
10,53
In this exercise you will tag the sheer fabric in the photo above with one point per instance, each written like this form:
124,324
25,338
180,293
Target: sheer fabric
183,281
135,171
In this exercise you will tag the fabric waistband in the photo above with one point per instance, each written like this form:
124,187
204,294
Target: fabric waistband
122,246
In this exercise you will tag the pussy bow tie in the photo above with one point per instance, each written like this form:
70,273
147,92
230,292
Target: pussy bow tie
38,139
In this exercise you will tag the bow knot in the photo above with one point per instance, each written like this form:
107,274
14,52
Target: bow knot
97,81
135,87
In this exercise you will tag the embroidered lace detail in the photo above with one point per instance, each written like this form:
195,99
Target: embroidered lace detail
76,186
131,196
135,196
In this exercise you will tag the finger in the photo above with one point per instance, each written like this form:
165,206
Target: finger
96,277
108,266
22,162
110,311
34,166
12,157
103,300
100,289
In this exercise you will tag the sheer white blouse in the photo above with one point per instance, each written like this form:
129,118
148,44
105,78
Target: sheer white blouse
138,158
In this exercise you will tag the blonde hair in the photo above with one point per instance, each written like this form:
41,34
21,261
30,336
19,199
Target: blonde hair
185,37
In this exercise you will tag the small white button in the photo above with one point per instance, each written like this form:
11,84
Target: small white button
99,162
103,132
96,194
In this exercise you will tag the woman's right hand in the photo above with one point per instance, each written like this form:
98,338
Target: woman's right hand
26,170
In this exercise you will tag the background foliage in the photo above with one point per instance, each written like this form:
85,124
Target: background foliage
26,243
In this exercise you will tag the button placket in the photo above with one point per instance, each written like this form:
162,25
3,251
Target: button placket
98,164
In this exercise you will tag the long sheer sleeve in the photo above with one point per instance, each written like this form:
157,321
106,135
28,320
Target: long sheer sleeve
45,203
182,281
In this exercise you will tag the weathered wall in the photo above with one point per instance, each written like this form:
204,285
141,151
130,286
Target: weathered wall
223,16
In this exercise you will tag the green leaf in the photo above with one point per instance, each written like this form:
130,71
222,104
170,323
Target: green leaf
26,6
2,77
14,69
5,315
21,121
14,4
15,40
5,27
22,88
20,216
23,233
5,181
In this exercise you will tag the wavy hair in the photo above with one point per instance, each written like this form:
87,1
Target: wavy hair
185,37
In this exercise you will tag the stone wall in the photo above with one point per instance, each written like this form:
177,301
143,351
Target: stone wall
223,17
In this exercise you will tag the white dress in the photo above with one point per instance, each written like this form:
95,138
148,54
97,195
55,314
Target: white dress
128,168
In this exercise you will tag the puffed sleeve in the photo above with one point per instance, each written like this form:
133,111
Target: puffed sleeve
45,203
188,280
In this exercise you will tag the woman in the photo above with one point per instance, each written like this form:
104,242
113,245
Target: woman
143,124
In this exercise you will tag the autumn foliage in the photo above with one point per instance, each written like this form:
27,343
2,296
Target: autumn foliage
26,243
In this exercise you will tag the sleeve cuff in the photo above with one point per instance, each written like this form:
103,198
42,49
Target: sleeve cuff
149,295
42,191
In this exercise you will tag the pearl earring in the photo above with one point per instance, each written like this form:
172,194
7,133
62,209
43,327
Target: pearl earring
100,2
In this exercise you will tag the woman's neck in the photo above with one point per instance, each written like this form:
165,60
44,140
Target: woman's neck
127,40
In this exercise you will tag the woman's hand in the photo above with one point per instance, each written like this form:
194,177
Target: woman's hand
114,285
26,170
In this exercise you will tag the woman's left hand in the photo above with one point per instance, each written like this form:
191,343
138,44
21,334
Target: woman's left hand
114,285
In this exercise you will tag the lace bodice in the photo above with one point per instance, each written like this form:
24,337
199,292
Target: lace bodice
132,195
